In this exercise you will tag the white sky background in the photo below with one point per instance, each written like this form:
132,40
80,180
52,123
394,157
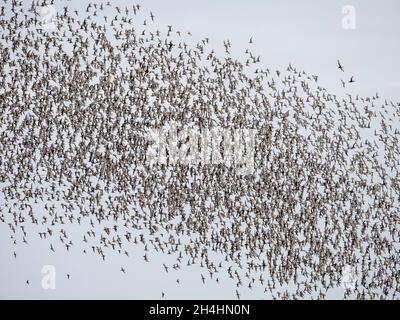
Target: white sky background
306,33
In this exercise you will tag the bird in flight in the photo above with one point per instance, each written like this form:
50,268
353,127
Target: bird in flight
237,295
340,66
165,267
352,80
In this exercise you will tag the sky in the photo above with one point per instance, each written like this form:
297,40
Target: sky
306,33
309,35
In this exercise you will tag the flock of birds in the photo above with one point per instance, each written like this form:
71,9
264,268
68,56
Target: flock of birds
76,102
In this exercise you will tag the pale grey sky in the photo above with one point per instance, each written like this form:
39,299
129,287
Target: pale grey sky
306,33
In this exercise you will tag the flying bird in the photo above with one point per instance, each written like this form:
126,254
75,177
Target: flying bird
340,66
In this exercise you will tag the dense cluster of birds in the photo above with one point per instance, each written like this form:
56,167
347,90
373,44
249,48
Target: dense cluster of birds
77,99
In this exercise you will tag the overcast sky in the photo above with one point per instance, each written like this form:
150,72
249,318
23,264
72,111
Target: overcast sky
308,34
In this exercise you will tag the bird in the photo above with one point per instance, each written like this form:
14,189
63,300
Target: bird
340,66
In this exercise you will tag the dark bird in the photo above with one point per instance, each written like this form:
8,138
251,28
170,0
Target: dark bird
340,66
